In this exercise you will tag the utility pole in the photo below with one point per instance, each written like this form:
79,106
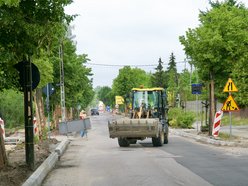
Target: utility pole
29,80
62,85
28,113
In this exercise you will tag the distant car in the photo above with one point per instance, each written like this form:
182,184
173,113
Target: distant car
94,112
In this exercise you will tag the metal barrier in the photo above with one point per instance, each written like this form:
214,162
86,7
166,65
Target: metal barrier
74,126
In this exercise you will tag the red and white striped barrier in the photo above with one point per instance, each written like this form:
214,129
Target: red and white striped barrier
35,126
216,125
2,128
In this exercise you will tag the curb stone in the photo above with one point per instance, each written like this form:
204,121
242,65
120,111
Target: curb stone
208,140
41,172
61,148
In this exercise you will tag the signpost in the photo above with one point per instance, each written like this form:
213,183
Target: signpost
48,90
230,105
196,89
119,100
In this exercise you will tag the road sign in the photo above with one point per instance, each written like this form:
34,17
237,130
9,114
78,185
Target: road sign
119,100
230,105
48,89
196,88
230,86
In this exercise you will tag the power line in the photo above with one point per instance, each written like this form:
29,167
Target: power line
119,65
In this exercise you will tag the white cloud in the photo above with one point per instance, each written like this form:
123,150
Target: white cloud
132,31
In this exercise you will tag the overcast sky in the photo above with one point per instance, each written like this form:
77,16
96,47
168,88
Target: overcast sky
132,32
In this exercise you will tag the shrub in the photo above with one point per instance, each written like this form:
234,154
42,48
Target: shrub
11,108
178,118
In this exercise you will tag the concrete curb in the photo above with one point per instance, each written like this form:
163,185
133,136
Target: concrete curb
208,140
62,147
41,172
37,177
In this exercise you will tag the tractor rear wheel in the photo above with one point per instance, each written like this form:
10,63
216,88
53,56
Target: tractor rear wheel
166,138
123,142
158,141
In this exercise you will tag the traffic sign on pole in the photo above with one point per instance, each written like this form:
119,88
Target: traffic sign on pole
230,86
230,105
196,88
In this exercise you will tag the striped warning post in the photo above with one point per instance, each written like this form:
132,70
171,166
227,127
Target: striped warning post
2,128
216,125
35,126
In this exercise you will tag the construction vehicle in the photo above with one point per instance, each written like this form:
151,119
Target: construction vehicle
148,119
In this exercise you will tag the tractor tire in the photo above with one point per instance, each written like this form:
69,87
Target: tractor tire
133,141
166,140
158,141
123,142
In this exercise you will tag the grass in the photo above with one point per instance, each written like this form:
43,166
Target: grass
236,121
226,136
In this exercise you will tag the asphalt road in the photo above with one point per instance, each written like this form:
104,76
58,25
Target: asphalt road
98,160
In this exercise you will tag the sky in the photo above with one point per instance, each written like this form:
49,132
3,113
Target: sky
132,32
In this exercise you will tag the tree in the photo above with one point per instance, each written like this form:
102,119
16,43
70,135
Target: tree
77,82
159,78
172,81
11,108
217,48
3,157
25,28
105,95
129,78
172,64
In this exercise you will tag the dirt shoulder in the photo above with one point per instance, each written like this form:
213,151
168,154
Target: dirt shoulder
17,172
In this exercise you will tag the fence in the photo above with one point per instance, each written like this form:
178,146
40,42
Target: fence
74,126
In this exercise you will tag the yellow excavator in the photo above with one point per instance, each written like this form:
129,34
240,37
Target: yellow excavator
148,119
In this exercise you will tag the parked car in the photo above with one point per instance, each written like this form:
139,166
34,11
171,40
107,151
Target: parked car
94,112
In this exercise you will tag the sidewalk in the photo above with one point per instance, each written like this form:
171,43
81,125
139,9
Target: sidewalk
41,172
239,136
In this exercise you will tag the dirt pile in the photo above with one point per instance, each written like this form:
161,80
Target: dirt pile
17,172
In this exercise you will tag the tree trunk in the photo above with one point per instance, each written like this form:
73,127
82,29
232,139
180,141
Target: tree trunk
40,114
212,104
3,157
56,116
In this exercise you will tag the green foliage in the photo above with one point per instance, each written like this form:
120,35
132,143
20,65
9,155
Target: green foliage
129,78
236,121
184,86
106,96
11,108
180,119
9,2
220,49
172,81
78,86
45,66
29,29
159,78
31,25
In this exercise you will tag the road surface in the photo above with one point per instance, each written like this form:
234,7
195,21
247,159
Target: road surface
99,161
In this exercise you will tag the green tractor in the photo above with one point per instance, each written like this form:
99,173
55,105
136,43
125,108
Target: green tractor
148,119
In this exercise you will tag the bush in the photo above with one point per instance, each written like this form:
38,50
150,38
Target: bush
178,118
11,108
